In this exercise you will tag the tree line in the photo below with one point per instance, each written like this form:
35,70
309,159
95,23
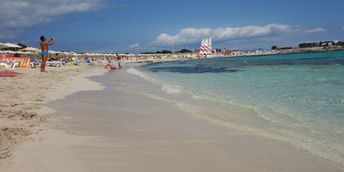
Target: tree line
168,51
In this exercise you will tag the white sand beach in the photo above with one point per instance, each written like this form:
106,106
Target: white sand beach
23,98
131,125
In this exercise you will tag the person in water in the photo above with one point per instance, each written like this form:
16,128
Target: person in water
44,51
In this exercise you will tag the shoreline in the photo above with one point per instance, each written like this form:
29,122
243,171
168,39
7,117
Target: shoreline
131,126
23,114
219,111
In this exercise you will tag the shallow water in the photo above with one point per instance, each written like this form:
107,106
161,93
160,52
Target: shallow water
132,125
299,96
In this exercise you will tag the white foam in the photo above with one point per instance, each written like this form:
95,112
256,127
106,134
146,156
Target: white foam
135,72
196,97
139,73
171,89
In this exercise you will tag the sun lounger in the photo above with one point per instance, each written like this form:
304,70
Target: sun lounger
9,64
4,65
54,63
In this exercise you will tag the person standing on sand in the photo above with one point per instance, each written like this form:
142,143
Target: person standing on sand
44,51
118,58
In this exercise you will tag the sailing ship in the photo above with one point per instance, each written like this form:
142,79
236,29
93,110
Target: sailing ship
206,49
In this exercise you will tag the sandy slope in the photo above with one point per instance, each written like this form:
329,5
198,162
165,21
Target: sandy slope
23,98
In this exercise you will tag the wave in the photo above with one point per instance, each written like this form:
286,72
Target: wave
139,73
170,89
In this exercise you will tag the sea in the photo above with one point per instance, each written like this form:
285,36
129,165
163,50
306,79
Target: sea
296,98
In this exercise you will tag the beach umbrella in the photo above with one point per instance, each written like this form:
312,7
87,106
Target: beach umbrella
21,52
31,49
53,52
10,45
8,52
2,45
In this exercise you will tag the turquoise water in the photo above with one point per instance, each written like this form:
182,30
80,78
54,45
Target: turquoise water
300,95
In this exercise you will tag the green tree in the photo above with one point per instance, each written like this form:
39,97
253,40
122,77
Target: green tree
22,45
185,51
165,52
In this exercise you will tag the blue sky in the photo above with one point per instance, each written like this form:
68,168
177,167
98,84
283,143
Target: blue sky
151,25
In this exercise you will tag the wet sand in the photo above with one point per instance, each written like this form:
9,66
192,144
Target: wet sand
132,125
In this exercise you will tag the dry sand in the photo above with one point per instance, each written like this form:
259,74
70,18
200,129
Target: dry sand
22,110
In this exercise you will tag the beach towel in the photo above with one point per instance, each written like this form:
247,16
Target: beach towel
8,73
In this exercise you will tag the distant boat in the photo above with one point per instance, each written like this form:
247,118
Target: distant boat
206,49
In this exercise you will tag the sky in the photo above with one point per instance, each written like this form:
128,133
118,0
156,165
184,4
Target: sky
136,26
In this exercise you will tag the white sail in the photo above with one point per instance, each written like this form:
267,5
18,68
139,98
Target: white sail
210,43
202,51
208,46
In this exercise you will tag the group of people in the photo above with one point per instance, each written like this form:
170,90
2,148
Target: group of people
110,65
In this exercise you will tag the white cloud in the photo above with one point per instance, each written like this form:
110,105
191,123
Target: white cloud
136,45
16,15
190,35
316,30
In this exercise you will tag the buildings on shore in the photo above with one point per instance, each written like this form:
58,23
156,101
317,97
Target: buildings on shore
322,44
302,47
